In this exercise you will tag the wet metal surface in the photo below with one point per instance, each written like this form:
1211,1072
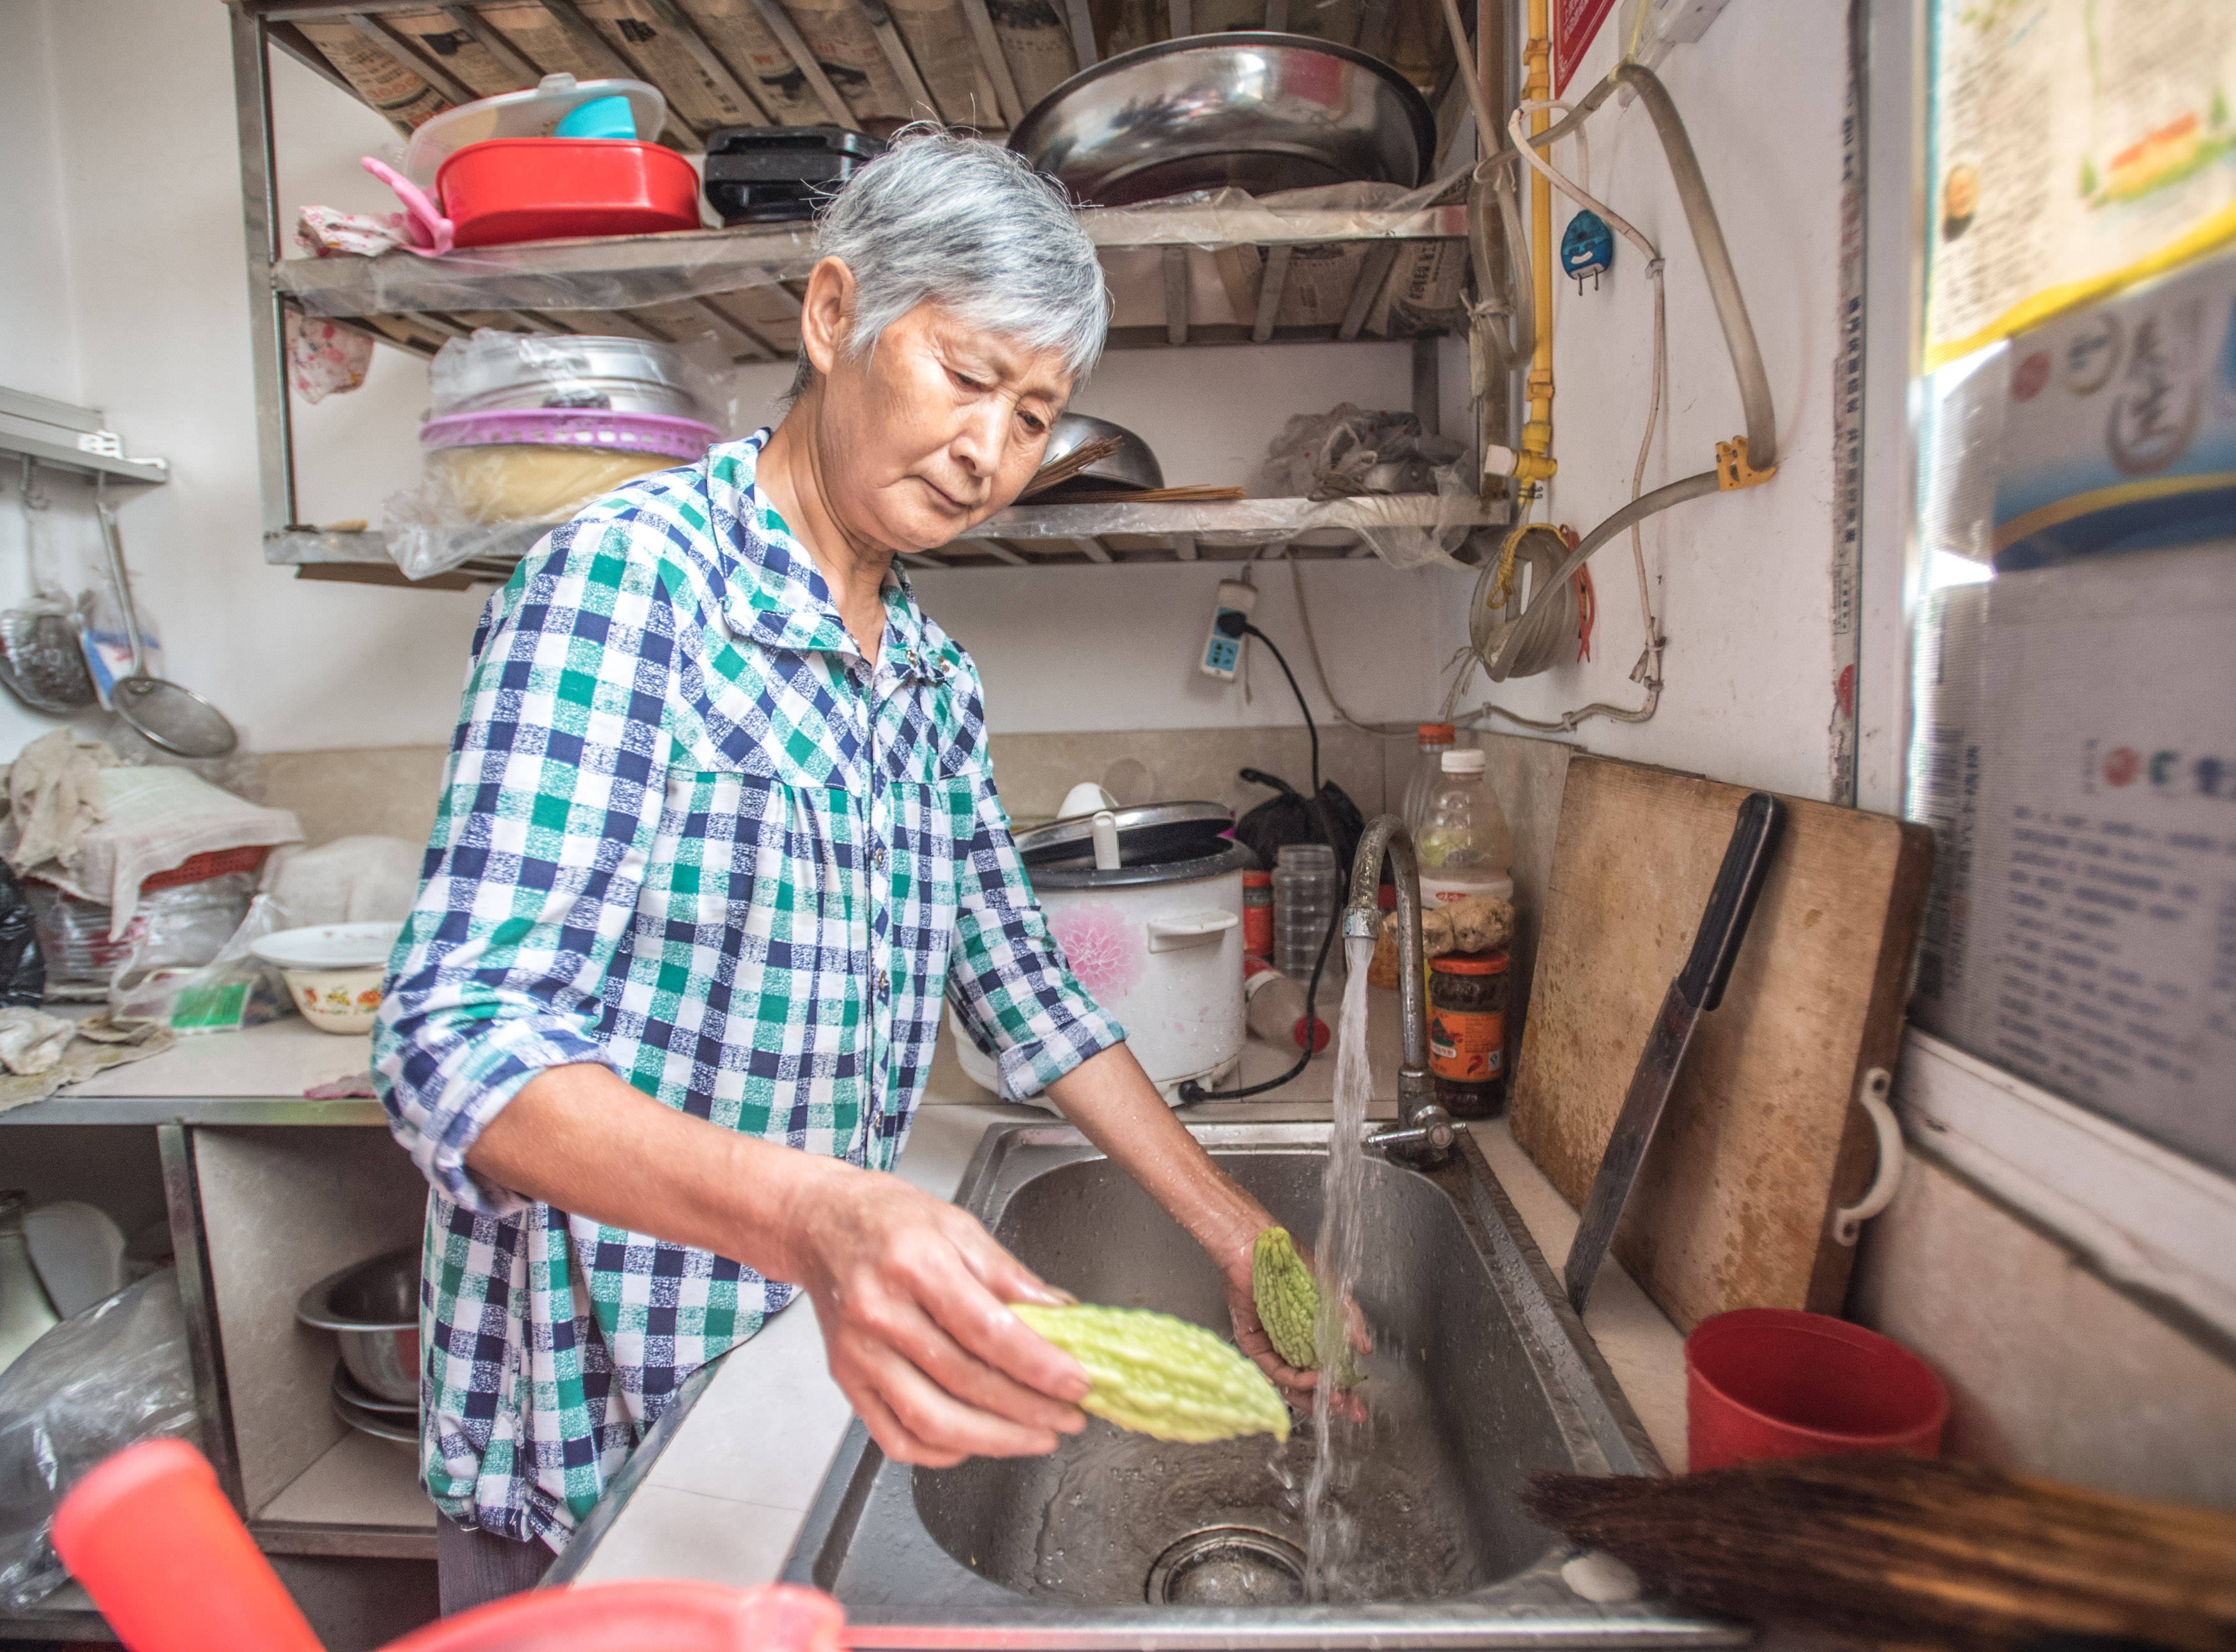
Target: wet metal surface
1480,1376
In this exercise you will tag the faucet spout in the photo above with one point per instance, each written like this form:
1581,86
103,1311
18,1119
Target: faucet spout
1424,1130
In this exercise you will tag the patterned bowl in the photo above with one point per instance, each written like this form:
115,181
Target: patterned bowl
342,1001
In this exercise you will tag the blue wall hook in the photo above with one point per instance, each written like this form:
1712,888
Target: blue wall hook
1587,248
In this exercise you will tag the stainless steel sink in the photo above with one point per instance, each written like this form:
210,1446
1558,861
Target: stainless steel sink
1480,1375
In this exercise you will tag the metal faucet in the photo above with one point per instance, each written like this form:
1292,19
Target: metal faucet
1423,1133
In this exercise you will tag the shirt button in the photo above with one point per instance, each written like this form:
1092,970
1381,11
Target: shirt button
877,857
885,984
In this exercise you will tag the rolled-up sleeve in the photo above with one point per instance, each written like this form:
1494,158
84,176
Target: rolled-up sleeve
550,804
1008,977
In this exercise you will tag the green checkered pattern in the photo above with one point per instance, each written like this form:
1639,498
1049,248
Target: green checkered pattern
690,833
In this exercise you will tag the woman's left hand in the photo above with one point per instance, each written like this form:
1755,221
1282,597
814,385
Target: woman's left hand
1298,1387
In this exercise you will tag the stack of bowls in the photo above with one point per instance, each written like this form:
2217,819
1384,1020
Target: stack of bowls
372,1308
519,441
333,972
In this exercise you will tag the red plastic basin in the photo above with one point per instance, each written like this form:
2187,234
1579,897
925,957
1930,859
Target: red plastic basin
534,190
1764,1383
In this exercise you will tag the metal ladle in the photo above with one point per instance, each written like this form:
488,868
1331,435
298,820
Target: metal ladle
176,719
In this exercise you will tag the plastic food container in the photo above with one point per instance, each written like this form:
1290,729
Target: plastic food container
1767,1383
544,464
533,189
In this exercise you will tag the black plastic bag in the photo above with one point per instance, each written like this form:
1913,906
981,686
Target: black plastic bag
22,966
1288,817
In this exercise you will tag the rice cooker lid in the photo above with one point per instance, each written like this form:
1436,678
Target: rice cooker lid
1158,843
1081,874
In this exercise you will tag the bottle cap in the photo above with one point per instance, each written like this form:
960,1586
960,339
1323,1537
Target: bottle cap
1444,732
1466,759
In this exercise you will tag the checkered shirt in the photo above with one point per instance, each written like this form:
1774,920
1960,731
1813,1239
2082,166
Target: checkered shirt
688,831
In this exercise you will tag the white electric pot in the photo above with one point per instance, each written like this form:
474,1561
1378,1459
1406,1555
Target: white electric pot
1156,941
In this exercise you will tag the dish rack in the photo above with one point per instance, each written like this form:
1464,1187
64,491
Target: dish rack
407,58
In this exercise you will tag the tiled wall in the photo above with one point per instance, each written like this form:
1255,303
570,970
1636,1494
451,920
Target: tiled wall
2051,1371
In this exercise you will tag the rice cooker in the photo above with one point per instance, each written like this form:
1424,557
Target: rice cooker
1146,903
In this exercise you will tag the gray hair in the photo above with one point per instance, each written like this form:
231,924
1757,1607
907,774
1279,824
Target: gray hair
969,225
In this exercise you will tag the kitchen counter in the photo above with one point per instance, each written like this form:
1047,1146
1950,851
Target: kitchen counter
256,1075
722,1493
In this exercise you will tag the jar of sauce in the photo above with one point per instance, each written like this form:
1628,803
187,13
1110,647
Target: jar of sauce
1467,1032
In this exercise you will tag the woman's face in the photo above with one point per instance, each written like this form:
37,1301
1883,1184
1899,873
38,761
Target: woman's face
934,430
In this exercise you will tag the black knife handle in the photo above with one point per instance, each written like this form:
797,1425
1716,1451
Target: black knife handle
1731,903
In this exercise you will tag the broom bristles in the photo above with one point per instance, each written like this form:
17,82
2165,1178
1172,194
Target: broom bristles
1910,1547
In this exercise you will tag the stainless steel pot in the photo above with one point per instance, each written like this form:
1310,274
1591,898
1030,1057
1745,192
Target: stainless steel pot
1246,108
372,1308
620,375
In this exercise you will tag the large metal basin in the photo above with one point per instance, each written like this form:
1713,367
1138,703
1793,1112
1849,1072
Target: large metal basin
1480,1375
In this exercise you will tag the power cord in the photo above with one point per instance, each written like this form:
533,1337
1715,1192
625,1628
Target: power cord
1234,624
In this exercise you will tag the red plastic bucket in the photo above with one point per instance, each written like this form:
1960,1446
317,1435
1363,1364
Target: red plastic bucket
1762,1383
534,190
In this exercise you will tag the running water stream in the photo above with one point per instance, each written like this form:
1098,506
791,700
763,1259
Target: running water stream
1336,1257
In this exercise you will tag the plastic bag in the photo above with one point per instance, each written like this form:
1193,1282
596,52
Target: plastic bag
476,495
1351,453
1290,818
350,881
22,966
110,1376
233,990
178,926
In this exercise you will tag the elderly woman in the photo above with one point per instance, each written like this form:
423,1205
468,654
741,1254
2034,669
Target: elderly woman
718,837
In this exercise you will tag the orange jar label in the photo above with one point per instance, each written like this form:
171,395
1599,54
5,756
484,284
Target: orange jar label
1466,1045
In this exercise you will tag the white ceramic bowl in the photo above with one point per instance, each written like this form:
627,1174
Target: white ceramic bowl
333,971
336,1000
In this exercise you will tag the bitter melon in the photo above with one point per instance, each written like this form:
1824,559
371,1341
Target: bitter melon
1287,1297
1161,1376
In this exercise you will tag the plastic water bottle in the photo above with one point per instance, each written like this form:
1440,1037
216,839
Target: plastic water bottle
1435,739
1275,1010
1463,838
1306,890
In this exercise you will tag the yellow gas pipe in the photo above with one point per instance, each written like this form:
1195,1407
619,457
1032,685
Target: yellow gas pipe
1535,463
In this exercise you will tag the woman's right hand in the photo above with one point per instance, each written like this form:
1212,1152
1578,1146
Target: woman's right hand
912,1295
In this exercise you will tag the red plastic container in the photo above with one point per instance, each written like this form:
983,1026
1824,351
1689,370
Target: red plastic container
534,190
173,1569
1764,1382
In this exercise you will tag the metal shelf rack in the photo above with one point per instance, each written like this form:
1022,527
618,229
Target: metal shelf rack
745,283
36,430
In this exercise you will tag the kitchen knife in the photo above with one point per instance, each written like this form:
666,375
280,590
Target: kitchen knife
1698,989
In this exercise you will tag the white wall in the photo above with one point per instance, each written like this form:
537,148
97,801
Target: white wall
136,300
138,304
1742,581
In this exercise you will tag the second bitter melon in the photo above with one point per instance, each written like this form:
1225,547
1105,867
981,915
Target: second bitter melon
1161,1376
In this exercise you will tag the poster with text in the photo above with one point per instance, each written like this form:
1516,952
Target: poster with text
2075,146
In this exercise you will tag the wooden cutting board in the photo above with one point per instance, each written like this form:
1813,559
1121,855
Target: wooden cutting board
1763,1137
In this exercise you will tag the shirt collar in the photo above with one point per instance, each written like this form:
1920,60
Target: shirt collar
773,593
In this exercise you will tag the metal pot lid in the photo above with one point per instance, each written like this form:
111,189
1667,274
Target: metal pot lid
1148,834
1227,856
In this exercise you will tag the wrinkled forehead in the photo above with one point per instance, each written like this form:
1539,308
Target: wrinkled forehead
986,352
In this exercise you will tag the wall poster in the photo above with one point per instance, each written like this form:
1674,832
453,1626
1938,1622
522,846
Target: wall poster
2075,146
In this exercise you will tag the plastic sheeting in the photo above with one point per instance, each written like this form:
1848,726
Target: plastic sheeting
113,1376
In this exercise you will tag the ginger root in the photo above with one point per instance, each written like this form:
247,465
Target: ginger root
1471,924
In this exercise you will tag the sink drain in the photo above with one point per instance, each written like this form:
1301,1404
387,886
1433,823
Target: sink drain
1228,1566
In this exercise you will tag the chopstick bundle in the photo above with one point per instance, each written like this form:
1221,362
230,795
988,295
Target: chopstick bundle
1910,1548
1071,464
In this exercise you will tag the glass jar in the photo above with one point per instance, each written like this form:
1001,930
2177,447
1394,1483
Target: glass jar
1307,889
1467,1032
